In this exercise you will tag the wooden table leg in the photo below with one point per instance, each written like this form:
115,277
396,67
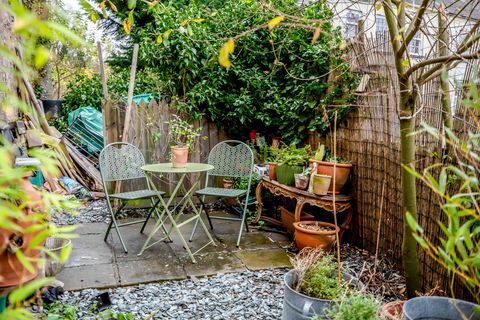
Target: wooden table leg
298,210
346,224
258,194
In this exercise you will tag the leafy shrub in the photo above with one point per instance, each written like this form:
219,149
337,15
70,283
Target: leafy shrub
321,280
279,81
356,306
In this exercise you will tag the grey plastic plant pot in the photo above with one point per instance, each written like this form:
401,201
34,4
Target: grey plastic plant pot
297,306
440,308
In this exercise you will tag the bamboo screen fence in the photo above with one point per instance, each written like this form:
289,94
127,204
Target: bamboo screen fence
370,139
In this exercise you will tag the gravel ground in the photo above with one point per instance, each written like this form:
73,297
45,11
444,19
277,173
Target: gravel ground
89,212
247,295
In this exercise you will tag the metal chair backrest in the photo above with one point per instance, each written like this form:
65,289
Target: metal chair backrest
121,161
231,158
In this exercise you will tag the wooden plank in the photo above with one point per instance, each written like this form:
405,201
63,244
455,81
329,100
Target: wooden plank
131,85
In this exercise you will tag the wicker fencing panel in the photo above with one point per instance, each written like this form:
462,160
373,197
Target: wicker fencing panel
370,138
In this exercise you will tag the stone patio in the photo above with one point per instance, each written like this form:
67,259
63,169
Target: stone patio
98,264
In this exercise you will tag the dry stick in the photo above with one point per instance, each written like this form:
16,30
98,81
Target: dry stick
334,195
378,227
104,91
131,84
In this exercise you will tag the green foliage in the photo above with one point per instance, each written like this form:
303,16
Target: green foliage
242,183
356,306
181,133
292,155
109,314
279,82
60,311
20,213
320,281
457,185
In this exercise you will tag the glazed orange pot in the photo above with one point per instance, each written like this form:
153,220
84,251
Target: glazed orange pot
272,171
12,271
179,156
341,173
393,310
309,237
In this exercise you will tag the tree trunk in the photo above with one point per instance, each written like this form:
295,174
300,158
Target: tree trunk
409,192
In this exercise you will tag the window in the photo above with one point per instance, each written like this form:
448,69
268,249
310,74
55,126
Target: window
381,24
415,46
351,24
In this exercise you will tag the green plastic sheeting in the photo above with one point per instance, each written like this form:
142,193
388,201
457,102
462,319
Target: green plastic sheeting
146,97
86,124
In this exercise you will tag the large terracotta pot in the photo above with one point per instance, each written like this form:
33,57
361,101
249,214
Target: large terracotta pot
322,239
341,173
393,310
272,168
179,156
12,271
288,218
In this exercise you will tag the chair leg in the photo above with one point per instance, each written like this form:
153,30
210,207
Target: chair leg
114,222
243,223
202,206
154,205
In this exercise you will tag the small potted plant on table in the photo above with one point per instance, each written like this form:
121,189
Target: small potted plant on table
182,135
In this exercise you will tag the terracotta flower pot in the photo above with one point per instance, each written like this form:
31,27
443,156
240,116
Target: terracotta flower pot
179,156
341,173
393,310
272,168
12,271
276,142
301,181
306,237
321,184
288,218
227,183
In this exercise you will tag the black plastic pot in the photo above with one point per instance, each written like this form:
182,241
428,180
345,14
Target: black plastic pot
52,108
297,306
440,308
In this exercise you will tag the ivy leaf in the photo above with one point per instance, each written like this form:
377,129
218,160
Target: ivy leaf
159,39
225,51
199,20
275,21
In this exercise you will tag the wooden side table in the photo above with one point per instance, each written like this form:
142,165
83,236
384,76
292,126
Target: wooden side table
342,202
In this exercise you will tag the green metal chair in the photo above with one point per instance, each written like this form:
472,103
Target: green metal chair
233,159
120,161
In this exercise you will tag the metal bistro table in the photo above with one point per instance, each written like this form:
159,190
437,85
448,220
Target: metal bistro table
186,200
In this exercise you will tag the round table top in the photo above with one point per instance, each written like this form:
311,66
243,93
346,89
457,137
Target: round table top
168,168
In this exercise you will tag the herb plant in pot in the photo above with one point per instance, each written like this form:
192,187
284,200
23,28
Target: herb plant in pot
315,234
291,160
313,286
182,135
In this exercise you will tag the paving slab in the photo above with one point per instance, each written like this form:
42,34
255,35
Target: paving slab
144,271
98,264
212,263
92,276
264,259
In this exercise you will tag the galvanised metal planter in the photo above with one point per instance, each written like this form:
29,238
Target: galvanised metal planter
440,308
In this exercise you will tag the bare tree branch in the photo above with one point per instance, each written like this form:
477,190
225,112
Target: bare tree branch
414,26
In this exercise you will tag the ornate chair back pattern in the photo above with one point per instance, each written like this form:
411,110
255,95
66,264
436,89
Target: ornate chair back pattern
121,161
231,158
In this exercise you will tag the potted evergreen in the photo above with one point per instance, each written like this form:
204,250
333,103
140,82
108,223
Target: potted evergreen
182,135
313,286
